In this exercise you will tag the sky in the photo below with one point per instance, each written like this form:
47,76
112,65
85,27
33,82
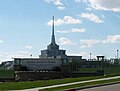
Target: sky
81,27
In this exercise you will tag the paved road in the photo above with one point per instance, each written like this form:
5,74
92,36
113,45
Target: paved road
60,85
114,87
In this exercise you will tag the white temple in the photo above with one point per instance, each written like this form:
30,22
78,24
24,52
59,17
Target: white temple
49,59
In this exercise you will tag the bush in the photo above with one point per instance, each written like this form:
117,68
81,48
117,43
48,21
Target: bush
56,68
23,68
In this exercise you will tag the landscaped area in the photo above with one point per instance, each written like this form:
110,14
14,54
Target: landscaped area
42,83
6,73
107,70
34,84
81,85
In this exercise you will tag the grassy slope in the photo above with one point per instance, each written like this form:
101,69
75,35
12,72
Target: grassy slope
6,73
23,85
33,84
82,85
107,70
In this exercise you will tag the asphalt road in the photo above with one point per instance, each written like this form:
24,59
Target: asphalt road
114,87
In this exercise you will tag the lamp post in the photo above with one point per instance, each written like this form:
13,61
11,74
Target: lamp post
90,56
117,54
31,55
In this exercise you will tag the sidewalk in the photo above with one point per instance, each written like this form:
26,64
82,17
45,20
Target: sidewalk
73,83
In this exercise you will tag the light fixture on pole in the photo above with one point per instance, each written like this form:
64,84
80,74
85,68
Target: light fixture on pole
31,55
90,56
117,54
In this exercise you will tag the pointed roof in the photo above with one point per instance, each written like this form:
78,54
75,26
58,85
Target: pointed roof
53,45
53,35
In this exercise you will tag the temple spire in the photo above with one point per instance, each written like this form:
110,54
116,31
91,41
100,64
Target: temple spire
53,35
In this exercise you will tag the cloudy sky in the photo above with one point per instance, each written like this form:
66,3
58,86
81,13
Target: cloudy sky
81,27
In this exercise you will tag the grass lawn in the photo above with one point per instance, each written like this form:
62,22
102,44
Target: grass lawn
6,73
107,70
41,83
81,85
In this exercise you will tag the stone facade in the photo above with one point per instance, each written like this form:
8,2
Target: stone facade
49,59
35,64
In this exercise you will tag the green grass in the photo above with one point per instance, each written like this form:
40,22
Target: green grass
111,70
34,84
107,70
81,85
6,73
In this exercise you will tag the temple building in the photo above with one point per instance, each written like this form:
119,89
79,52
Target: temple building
53,49
51,58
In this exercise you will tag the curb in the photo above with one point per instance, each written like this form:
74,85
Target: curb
92,86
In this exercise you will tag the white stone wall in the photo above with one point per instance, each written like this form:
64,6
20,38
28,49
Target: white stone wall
41,64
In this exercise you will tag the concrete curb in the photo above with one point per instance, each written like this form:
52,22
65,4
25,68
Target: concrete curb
92,86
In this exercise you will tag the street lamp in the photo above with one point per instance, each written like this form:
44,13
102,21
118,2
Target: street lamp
90,56
117,54
31,55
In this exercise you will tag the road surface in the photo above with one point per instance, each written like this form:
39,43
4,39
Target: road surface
113,87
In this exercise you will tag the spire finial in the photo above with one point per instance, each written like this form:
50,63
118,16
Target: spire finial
53,36
53,26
